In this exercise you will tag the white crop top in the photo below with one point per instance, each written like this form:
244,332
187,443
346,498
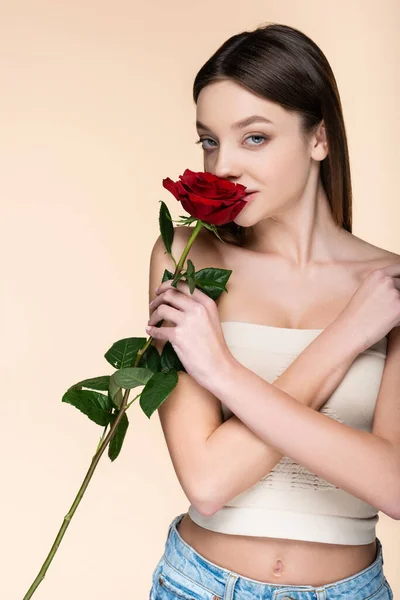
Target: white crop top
291,502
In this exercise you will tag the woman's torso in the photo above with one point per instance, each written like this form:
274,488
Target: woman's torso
283,296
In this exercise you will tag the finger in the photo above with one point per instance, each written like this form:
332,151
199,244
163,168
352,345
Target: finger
161,333
392,270
183,287
165,285
166,312
172,297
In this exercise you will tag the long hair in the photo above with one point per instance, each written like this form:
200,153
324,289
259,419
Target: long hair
283,65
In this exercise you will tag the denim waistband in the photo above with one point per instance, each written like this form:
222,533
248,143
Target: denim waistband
224,584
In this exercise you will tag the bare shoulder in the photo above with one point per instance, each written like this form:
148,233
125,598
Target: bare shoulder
369,256
204,251
384,258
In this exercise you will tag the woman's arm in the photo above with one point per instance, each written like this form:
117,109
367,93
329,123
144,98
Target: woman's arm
236,457
357,461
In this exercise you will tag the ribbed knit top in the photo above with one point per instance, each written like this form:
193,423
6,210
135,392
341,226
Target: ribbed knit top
291,502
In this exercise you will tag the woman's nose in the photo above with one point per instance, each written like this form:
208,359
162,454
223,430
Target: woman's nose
225,167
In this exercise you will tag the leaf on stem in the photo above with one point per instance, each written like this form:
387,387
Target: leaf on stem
170,360
213,228
212,281
190,276
167,275
96,406
123,353
131,377
116,396
95,383
151,359
156,390
115,393
166,227
186,220
116,442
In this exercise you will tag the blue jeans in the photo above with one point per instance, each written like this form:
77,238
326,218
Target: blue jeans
184,574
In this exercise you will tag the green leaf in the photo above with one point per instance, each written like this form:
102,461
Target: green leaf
188,218
213,228
212,281
131,377
117,398
170,360
123,353
185,220
167,275
177,278
96,406
95,383
166,226
113,389
156,390
151,359
191,280
190,270
115,444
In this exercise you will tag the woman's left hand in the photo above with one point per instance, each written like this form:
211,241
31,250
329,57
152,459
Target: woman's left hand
197,336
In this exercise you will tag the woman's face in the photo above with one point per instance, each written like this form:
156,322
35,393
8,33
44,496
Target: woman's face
270,157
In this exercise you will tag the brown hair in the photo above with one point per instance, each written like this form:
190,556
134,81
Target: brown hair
285,66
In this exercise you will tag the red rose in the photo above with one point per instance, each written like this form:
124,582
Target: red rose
207,197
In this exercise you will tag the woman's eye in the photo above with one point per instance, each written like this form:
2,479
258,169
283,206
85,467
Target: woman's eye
201,141
262,137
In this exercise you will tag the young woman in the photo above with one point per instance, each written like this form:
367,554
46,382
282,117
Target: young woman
284,431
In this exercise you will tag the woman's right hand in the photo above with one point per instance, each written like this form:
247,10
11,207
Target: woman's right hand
374,308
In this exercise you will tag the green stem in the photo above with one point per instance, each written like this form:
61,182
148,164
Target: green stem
179,266
68,517
102,437
102,444
196,231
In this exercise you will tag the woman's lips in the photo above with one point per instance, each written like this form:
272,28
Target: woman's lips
250,196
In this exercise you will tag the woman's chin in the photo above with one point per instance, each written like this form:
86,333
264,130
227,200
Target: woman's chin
242,220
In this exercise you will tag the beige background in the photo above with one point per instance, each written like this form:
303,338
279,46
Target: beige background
96,110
